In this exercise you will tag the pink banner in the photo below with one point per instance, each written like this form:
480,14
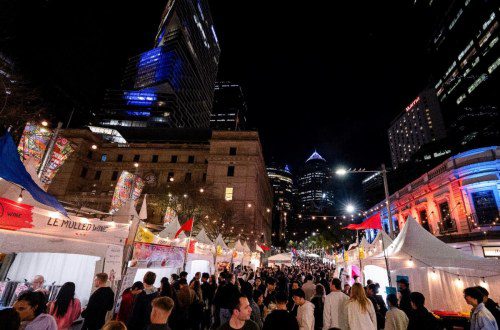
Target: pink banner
152,255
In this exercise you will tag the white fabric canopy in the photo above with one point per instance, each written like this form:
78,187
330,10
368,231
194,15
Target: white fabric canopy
202,237
124,214
238,246
170,229
281,257
220,242
246,248
426,250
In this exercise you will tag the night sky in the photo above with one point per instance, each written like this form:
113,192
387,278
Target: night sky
316,76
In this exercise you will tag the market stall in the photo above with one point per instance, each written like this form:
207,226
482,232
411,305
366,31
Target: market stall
280,259
434,268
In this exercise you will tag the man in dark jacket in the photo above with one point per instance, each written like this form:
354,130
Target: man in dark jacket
224,297
378,304
100,302
404,290
280,318
139,320
420,317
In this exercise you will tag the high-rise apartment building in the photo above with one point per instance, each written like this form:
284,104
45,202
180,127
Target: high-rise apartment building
420,123
171,85
229,107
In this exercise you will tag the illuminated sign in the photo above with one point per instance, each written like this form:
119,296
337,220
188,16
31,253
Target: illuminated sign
491,251
412,104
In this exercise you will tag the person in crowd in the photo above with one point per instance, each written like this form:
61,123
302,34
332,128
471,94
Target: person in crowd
481,318
197,277
139,319
160,312
174,278
114,325
395,319
420,317
309,287
305,311
31,307
319,302
196,307
324,281
37,285
223,297
347,289
181,276
292,307
9,319
334,311
270,294
378,304
258,285
66,308
186,298
100,302
165,288
360,311
240,315
280,318
258,297
208,295
247,290
404,299
490,304
127,301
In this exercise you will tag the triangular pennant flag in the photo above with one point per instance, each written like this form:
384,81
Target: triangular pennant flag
187,226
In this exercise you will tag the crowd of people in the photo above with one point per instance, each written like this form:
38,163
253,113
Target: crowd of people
305,297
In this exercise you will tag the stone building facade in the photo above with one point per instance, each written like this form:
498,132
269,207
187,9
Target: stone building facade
457,201
230,163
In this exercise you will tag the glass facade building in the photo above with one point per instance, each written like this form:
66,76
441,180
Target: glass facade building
171,85
229,108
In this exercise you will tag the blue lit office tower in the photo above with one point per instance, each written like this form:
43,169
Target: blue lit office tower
315,186
229,108
171,85
281,180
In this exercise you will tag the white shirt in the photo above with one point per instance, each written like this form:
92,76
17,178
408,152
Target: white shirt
309,289
396,319
305,316
335,310
359,319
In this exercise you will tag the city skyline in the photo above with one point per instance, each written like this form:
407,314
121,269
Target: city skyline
323,83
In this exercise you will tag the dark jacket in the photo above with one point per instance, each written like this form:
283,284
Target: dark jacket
141,313
319,306
100,302
422,319
225,295
380,310
494,309
280,319
404,303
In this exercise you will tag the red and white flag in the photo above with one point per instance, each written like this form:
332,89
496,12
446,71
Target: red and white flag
187,226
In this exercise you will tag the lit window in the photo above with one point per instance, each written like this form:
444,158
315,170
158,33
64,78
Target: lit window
461,98
476,83
495,64
228,194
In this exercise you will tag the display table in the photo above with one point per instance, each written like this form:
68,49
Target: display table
452,320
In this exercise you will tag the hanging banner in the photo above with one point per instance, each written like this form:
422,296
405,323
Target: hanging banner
33,143
170,215
153,255
62,150
113,262
25,218
123,188
361,252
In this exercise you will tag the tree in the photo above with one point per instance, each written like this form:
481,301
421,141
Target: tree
189,200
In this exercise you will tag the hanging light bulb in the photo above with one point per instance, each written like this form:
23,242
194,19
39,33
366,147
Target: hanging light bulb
434,275
410,262
20,198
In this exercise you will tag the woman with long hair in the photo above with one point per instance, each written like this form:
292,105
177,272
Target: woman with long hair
66,308
32,309
165,288
360,311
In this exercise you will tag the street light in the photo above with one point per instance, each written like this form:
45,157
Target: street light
383,171
349,208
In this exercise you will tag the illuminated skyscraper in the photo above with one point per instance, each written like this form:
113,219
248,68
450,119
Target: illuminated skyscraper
171,85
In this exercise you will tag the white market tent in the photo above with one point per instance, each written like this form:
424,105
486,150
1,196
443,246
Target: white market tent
171,229
280,259
220,242
434,268
202,237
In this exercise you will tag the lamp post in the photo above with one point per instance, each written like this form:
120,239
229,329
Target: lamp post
383,171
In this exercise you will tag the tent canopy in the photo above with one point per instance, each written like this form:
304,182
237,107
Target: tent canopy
246,248
220,242
170,229
284,257
238,246
202,237
426,250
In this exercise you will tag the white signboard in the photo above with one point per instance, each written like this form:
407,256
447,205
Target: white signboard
113,262
491,251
